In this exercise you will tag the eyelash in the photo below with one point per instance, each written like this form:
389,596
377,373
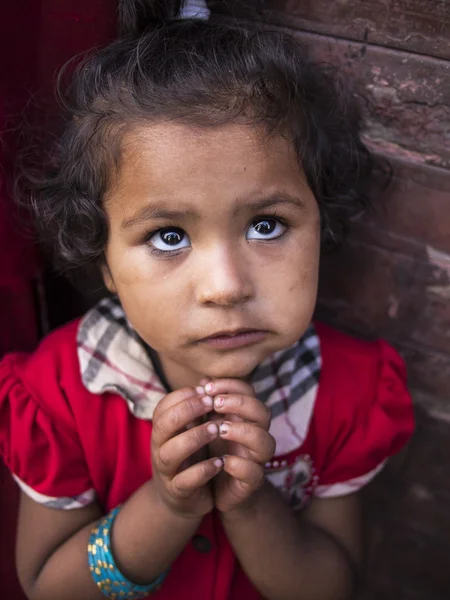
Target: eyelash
168,254
164,253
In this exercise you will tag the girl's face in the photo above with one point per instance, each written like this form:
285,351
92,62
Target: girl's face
213,247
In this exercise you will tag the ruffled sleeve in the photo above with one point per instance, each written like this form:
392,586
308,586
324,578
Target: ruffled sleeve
37,443
372,419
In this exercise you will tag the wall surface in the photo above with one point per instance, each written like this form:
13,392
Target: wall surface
392,279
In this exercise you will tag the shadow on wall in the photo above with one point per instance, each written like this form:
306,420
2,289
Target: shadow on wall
409,521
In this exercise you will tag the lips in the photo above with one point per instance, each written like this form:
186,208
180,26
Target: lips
229,333
236,338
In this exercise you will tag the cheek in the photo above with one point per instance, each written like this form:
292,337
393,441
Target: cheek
153,312
300,265
129,266
152,300
296,279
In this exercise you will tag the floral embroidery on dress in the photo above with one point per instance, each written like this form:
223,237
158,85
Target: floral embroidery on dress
295,477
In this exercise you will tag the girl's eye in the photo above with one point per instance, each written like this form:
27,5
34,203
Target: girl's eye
169,239
266,228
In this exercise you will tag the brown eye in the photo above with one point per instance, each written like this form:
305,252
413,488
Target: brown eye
169,239
266,228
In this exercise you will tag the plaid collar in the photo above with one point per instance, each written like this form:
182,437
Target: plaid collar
113,358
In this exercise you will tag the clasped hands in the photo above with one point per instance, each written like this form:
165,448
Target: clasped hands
209,447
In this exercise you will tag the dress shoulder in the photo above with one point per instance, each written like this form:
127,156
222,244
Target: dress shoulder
39,442
364,412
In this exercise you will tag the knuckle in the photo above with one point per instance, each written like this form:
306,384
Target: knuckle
266,450
272,445
171,421
260,478
190,408
255,476
186,392
205,470
158,430
267,416
239,400
180,489
270,450
182,413
246,429
176,417
196,436
164,458
156,412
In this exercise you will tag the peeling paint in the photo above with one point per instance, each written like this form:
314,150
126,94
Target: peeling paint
441,260
379,144
393,306
443,291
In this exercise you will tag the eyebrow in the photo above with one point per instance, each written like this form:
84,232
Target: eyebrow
273,200
159,211
155,211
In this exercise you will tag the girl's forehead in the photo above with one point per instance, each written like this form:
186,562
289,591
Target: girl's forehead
167,154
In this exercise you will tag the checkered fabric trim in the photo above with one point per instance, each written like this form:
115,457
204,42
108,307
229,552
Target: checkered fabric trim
60,503
113,358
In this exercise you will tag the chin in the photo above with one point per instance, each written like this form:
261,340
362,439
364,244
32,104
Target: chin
234,366
230,371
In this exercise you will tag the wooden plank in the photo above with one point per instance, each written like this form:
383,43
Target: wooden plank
413,213
393,277
396,294
406,97
421,26
390,294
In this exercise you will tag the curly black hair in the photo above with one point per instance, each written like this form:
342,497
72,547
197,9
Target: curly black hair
204,74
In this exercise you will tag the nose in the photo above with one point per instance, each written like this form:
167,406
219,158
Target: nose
223,278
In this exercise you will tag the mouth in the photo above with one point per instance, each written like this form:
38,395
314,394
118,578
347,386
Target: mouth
227,340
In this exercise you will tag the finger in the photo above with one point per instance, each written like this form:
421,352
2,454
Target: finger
178,416
175,451
248,408
171,399
174,398
187,482
229,386
205,380
248,473
259,443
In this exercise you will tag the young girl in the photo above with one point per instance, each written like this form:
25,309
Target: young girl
194,435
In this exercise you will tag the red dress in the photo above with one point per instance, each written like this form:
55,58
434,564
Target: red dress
67,445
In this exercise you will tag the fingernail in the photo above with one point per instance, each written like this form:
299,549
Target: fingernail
218,402
200,390
224,428
209,387
207,401
204,381
219,462
212,428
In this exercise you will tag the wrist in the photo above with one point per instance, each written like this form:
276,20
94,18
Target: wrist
169,509
246,510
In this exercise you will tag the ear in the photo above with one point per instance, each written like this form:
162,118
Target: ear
108,278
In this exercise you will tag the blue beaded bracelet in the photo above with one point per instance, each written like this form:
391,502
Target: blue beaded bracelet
104,570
